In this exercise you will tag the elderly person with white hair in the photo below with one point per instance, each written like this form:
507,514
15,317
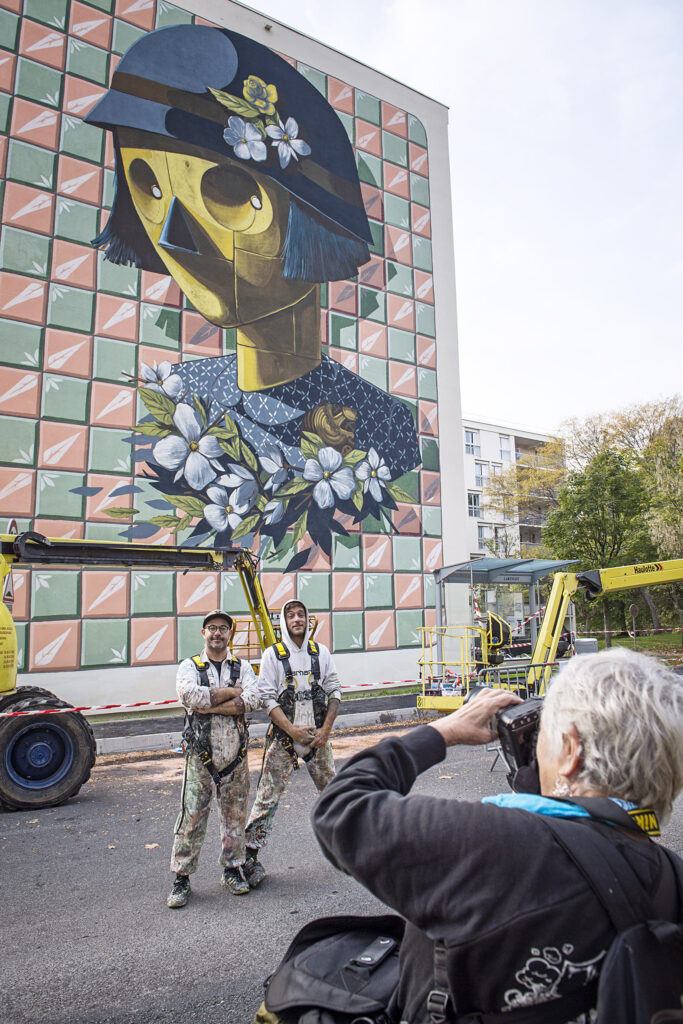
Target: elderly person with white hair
522,926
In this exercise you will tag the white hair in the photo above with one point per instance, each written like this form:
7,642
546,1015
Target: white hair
627,709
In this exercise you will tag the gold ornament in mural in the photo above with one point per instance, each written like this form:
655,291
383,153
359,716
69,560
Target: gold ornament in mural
334,424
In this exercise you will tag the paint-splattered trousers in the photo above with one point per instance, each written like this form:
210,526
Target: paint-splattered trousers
277,768
190,828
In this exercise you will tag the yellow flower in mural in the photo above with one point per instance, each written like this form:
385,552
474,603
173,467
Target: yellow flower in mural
261,95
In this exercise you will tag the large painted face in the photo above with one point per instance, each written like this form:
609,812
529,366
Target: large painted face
218,227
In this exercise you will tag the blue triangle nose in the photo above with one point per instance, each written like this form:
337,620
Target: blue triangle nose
176,234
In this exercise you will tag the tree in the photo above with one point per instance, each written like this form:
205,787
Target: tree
528,489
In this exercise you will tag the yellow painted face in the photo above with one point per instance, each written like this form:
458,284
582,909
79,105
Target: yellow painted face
218,227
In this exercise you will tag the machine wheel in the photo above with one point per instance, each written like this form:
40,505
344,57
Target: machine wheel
44,759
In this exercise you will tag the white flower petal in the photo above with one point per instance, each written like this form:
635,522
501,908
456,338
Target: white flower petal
274,131
343,483
241,150
330,459
171,452
375,488
258,150
209,447
322,493
284,151
383,472
312,470
300,147
218,495
188,423
363,470
198,471
291,128
234,520
216,516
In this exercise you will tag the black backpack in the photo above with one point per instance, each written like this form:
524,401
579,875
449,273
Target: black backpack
337,970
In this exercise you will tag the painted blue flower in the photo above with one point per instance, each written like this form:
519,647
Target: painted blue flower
242,481
162,378
374,474
273,463
330,477
245,139
285,138
225,509
194,454
273,512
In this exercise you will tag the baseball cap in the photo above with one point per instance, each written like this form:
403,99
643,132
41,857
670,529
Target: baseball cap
218,614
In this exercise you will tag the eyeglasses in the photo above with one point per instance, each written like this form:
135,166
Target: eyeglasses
218,629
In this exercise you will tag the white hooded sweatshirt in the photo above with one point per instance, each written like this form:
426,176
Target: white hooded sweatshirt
272,676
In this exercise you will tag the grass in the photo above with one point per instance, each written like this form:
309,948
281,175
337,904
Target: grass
657,643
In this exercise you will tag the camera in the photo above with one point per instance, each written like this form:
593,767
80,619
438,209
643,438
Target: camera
517,729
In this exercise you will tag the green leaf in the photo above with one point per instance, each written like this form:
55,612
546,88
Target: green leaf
121,513
283,547
249,457
246,526
357,497
193,506
161,406
226,432
310,444
183,523
294,486
261,127
398,494
168,522
354,457
235,103
261,502
201,411
299,528
230,448
152,430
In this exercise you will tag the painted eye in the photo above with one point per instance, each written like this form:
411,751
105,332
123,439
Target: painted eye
145,189
256,202
156,191
231,196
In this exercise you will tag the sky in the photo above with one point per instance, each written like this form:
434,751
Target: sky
566,153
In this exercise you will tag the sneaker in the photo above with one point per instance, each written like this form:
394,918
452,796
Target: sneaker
234,881
254,871
180,893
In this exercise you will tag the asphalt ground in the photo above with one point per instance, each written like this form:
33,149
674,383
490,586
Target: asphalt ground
87,937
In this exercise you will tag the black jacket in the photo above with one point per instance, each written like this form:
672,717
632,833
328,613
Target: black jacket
521,924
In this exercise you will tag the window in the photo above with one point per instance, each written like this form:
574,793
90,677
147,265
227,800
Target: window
481,474
499,538
496,469
472,442
484,534
473,504
505,449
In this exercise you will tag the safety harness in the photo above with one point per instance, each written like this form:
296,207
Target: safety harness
288,698
197,731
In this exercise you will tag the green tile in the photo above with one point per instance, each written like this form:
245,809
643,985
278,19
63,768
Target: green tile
313,588
55,495
18,440
430,454
374,370
108,189
401,345
102,5
55,595
428,590
87,61
169,14
422,253
342,331
407,554
159,326
24,252
105,642
426,384
20,344
124,35
424,319
369,169
76,222
71,308
346,551
379,589
114,360
49,12
65,398
368,107
419,189
396,211
23,525
315,77
232,594
9,30
109,451
431,520
394,149
377,244
416,131
117,280
349,124
22,640
347,631
5,108
276,562
38,83
152,593
410,482
408,624
104,531
31,165
81,139
229,340
372,304
399,279
190,641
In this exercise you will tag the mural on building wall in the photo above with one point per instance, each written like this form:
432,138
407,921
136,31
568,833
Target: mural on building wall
236,176
308,387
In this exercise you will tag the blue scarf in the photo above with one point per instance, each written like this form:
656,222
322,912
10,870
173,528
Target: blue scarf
546,805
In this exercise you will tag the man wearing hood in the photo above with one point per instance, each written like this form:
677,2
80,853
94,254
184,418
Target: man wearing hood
300,690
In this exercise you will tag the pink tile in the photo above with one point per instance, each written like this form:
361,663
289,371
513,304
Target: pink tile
408,590
424,287
400,312
197,592
342,296
377,553
407,519
290,60
368,137
160,288
427,418
318,560
65,528
74,264
79,179
426,352
348,523
340,95
68,352
323,634
91,26
431,487
3,154
152,641
62,445
21,582
117,317
394,120
380,630
402,380
323,326
398,244
42,44
198,336
80,96
372,339
96,505
112,405
36,124
8,63
105,594
141,15
19,392
430,617
12,5
278,588
421,220
17,487
372,273
347,590
150,356
29,208
22,298
55,646
345,358
417,159
432,553
109,156
372,200
396,181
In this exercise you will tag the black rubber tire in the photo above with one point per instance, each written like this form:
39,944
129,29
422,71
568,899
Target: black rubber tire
66,740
